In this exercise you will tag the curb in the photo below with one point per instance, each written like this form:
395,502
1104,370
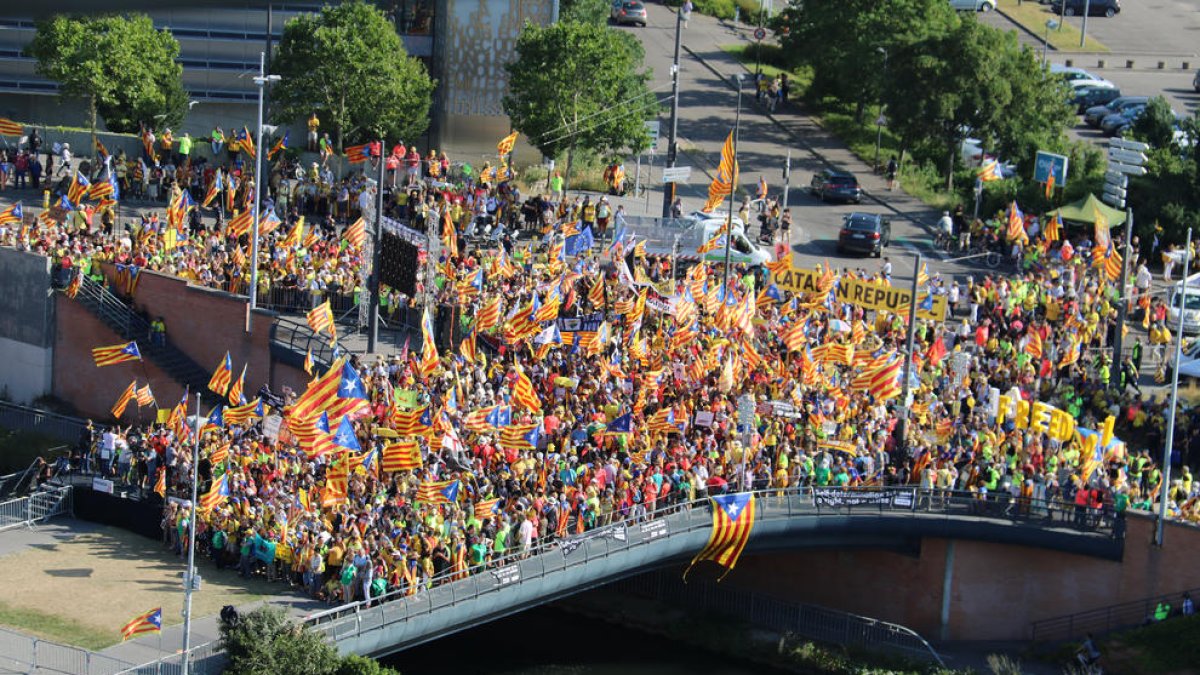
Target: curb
1025,29
800,140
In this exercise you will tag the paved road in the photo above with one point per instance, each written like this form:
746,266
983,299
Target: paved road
1148,27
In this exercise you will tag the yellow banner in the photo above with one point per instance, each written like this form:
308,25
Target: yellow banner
865,294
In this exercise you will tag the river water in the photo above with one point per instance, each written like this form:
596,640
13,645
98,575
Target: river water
546,641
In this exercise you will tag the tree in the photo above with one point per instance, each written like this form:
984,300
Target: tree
1156,124
974,81
579,85
586,11
120,64
848,43
348,65
265,641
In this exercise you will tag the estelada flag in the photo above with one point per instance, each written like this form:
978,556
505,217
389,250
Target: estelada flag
114,354
150,622
358,153
733,522
506,144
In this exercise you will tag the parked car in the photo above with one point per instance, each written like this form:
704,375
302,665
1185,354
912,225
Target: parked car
1091,96
973,5
628,13
1075,75
1108,8
833,185
1196,82
1096,114
1117,122
864,233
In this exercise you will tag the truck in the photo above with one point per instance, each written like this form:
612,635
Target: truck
683,237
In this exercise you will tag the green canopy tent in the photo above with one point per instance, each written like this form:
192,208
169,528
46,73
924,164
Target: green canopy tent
1084,211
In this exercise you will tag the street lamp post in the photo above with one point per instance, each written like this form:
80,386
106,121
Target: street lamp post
879,120
1164,491
672,149
261,80
189,579
376,253
1051,24
737,121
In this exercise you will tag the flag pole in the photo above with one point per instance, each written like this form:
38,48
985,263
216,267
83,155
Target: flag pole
190,577
376,248
733,171
902,423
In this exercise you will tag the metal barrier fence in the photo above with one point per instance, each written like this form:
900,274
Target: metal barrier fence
1104,619
355,619
25,418
37,507
205,659
807,621
26,654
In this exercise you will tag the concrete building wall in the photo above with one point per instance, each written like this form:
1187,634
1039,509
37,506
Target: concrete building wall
26,325
996,591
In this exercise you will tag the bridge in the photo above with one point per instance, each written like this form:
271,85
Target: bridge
797,518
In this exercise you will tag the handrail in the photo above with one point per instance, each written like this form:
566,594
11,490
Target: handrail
800,500
1101,620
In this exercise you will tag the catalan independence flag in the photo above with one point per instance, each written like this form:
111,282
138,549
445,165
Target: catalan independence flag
358,153
128,395
320,393
222,376
150,622
733,521
402,456
439,492
216,495
13,214
10,128
279,146
114,354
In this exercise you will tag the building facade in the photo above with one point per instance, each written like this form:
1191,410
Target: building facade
463,43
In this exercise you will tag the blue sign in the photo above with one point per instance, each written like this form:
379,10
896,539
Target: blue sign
1046,163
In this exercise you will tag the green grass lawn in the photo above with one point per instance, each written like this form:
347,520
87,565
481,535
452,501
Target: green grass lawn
54,628
1172,646
1033,15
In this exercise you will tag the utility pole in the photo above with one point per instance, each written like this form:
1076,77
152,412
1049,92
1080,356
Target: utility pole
261,80
377,246
1164,491
672,148
902,423
737,123
787,177
1123,304
189,579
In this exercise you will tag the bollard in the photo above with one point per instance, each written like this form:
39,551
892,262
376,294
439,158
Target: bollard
1162,64
1187,65
1129,63
1069,63
1101,63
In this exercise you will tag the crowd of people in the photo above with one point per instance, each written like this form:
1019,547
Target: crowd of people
580,389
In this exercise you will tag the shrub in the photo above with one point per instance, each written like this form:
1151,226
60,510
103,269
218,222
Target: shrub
749,11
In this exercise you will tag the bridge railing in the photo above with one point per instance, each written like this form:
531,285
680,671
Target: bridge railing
554,556
20,653
1103,619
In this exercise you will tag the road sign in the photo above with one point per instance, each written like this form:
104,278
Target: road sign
881,121
1128,169
746,409
1111,176
760,33
676,174
1127,145
1115,190
1047,162
652,128
1125,156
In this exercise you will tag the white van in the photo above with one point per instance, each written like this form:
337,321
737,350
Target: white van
1185,297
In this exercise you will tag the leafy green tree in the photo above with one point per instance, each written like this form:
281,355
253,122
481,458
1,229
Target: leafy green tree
361,665
348,65
265,642
120,64
848,43
1156,124
586,11
973,80
577,85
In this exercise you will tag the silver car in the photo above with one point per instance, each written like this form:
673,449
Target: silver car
628,13
973,5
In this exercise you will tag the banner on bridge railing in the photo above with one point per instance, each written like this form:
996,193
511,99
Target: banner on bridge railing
571,544
509,574
835,497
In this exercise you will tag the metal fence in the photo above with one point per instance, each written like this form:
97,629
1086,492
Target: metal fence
1104,619
26,654
36,508
549,559
24,418
206,659
788,618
